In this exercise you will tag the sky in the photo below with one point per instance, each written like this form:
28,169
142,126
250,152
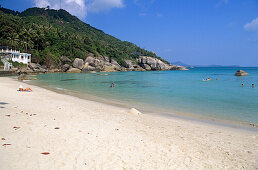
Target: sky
195,32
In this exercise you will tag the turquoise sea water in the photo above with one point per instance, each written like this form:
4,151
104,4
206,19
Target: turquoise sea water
171,91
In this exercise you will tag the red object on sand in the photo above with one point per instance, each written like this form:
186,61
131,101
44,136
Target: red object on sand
6,144
45,153
16,127
2,138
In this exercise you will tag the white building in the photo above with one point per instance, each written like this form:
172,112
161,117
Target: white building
14,55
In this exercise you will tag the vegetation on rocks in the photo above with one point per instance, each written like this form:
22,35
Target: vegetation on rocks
49,34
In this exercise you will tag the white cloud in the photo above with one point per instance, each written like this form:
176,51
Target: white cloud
252,26
104,5
80,8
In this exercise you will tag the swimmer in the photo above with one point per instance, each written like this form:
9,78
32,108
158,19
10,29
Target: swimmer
242,85
252,85
112,85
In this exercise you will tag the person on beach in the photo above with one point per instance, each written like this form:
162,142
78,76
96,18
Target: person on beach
112,85
22,89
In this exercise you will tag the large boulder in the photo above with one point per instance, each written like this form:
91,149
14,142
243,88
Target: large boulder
241,73
151,62
78,63
129,64
37,68
65,67
65,60
174,67
160,65
146,67
90,60
114,62
109,68
143,59
87,68
73,70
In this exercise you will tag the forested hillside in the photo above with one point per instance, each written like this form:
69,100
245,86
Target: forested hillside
48,34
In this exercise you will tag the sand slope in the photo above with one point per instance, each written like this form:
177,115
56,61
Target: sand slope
81,134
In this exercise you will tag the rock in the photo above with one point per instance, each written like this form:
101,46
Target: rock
113,62
90,60
109,68
146,67
128,64
134,111
104,58
54,70
21,71
65,60
32,65
160,65
73,70
22,77
37,68
88,68
78,63
52,67
151,62
241,73
181,68
143,59
65,67
174,67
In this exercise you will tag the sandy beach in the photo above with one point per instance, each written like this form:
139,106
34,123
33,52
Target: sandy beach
46,130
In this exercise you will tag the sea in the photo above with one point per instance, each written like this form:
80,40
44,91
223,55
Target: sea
169,93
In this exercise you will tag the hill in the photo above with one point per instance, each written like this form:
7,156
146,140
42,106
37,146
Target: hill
48,34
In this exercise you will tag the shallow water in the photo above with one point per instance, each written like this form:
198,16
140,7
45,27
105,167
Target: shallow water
170,91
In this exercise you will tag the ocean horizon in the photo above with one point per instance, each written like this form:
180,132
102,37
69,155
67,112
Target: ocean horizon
168,92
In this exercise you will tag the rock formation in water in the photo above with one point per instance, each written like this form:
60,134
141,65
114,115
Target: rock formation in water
241,73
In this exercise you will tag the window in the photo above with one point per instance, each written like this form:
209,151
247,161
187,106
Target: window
22,57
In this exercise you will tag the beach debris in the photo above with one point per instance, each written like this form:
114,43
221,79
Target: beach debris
15,127
6,144
2,138
57,128
45,153
134,111
116,129
241,73
8,115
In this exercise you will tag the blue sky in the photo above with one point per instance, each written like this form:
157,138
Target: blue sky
196,32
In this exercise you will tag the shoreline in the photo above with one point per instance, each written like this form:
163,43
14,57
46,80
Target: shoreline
237,124
96,135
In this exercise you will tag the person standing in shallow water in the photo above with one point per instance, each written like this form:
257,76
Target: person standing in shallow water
242,85
252,85
112,85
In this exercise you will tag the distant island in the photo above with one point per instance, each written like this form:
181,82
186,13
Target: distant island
59,41
213,65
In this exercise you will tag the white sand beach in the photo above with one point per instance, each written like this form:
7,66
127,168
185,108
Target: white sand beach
82,134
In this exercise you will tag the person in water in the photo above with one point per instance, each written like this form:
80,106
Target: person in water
252,85
242,85
208,79
112,85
